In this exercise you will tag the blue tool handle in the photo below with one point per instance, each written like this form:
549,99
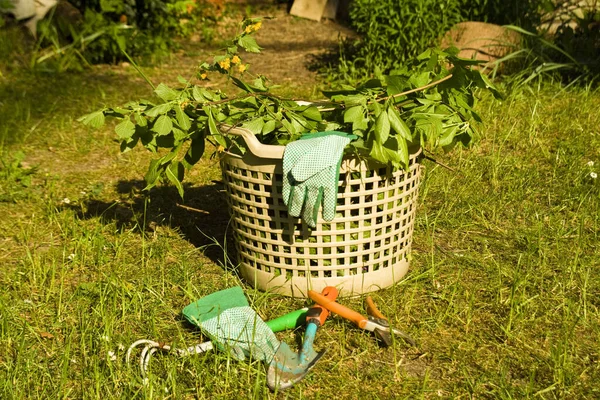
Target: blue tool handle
307,344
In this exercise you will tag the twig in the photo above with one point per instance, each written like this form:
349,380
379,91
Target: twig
253,94
419,88
439,163
192,209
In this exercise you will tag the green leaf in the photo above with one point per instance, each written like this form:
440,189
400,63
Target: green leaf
140,120
259,84
382,128
255,126
163,125
396,84
174,173
249,44
179,135
390,149
165,92
198,95
397,124
269,126
313,113
378,153
241,84
299,123
182,119
95,119
212,128
182,80
353,114
403,151
125,129
166,159
152,174
358,127
420,80
120,110
211,96
160,109
194,153
447,136
350,100
289,127
375,107
128,144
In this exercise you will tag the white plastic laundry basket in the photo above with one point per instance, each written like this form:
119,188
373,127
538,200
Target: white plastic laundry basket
365,248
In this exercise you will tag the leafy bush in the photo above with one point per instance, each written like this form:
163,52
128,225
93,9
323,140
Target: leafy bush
579,37
395,31
106,28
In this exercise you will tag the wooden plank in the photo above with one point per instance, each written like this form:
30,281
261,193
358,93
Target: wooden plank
309,9
331,9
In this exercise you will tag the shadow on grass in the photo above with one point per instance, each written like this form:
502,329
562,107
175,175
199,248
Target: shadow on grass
28,98
202,219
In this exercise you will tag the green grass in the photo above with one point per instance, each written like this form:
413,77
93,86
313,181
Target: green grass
502,294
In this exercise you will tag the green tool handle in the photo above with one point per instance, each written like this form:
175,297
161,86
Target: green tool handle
288,321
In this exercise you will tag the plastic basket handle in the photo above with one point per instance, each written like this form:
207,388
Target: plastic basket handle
254,146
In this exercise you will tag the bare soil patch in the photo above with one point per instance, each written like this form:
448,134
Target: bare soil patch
290,46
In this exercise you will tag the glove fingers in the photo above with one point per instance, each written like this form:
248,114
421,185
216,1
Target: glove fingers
296,200
329,203
310,212
286,188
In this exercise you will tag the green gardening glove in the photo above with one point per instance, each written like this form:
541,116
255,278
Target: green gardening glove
311,168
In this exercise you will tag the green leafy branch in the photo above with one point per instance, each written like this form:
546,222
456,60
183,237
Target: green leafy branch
429,103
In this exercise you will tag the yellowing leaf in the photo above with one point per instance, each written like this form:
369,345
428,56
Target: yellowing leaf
46,335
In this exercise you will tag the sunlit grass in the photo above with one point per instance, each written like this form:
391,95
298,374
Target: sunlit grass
502,294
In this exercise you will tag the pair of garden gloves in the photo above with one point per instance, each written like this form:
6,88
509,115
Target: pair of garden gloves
311,168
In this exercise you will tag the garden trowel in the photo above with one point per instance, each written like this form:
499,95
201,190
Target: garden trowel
288,367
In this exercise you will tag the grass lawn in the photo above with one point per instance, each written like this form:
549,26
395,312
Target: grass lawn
503,293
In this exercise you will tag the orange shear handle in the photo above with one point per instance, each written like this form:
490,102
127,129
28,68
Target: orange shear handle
337,308
330,293
373,310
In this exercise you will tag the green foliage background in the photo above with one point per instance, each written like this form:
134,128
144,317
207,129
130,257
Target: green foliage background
395,31
107,27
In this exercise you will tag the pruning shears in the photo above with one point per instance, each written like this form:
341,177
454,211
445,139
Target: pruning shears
374,322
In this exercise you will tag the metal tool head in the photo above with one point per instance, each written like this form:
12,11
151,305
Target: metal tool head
384,333
287,368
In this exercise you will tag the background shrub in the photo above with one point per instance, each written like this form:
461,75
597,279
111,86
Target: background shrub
104,29
395,31
523,13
